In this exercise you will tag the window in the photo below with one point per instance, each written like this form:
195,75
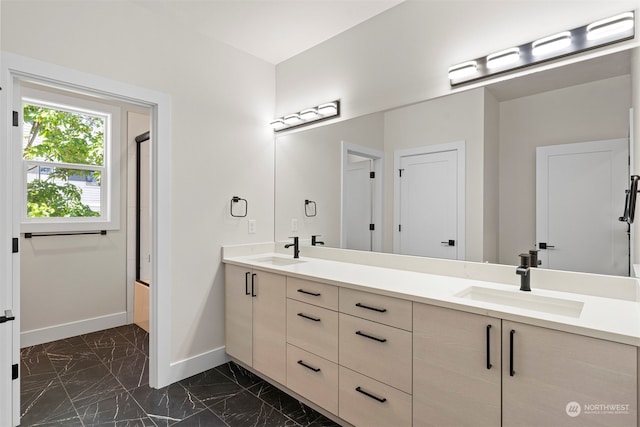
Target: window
71,172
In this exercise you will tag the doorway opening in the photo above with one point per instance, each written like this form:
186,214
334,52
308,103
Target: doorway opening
362,198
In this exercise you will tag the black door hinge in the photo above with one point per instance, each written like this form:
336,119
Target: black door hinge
372,227
14,245
372,175
14,372
15,119
400,172
399,227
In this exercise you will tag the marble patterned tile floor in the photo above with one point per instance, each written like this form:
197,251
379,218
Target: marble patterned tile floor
101,379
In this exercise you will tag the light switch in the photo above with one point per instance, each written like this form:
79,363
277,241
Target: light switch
294,224
252,226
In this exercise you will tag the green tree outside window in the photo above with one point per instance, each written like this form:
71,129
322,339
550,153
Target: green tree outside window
59,136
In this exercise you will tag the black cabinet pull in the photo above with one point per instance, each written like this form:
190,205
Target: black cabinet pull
489,347
379,310
362,334
306,316
300,362
302,291
374,397
246,282
253,285
511,371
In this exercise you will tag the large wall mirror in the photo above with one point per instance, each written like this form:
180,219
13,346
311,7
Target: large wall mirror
535,162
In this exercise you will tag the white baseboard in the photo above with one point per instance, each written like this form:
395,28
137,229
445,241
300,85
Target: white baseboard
72,329
194,365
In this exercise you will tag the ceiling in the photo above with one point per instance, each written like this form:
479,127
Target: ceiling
273,30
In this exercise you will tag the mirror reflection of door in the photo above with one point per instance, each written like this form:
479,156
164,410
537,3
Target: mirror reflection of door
431,203
580,193
362,198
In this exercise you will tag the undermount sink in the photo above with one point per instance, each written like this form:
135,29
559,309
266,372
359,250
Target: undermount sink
525,300
275,260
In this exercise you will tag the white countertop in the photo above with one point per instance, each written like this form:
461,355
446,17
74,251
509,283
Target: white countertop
605,318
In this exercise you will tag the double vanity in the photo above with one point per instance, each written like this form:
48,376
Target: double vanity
397,346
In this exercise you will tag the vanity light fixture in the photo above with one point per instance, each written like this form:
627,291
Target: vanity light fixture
601,33
503,58
551,44
307,116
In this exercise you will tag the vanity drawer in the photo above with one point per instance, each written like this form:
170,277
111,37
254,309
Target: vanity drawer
379,308
313,377
313,292
367,402
313,328
377,351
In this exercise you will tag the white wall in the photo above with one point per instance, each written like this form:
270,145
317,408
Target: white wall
491,210
221,100
588,112
308,166
402,56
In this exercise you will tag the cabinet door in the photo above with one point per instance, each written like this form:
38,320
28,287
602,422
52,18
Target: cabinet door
557,378
238,329
456,368
269,325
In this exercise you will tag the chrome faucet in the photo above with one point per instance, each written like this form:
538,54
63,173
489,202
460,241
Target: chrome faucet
296,247
314,240
524,271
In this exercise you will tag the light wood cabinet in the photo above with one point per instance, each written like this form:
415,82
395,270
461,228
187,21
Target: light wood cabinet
313,377
365,402
255,320
313,328
378,351
378,308
551,377
457,365
238,306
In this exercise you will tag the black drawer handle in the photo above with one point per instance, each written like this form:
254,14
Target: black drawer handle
362,334
246,283
511,371
315,294
373,396
253,285
300,362
306,316
379,310
489,347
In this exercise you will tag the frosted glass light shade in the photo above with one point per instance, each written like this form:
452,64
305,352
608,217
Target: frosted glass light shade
503,58
551,44
328,109
463,70
610,26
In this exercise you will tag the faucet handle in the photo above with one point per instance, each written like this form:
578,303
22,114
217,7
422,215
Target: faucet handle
525,260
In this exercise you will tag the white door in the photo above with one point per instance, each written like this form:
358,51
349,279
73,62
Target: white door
580,193
10,260
431,204
358,203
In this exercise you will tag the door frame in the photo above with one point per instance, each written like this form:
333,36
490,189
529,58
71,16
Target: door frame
18,68
378,212
459,147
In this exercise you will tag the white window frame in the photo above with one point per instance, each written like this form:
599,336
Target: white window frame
109,218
